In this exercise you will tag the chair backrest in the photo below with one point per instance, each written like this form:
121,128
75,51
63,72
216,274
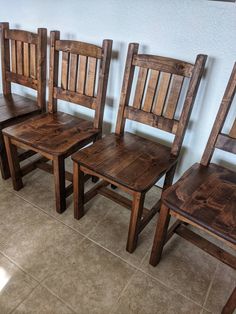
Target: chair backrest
157,92
24,60
218,139
83,76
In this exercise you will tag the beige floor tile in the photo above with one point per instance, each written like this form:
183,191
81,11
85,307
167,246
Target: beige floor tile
112,234
41,301
94,280
112,231
145,295
223,284
34,240
15,285
184,268
39,190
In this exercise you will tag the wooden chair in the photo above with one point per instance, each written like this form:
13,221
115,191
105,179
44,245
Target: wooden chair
205,197
56,135
23,57
128,161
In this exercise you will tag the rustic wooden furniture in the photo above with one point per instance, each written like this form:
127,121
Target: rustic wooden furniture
23,57
129,161
205,197
56,135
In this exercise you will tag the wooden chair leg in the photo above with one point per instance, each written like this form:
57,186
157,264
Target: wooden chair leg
4,166
14,164
230,306
59,179
160,235
78,185
169,177
136,214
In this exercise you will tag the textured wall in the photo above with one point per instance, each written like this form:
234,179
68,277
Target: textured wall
174,28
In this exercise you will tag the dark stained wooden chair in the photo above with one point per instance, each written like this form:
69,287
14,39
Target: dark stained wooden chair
129,161
56,135
23,57
205,197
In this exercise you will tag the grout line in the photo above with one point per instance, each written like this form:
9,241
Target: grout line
210,285
122,292
28,295
98,244
39,283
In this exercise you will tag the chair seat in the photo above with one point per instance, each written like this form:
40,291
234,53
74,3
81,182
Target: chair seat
56,134
15,106
129,160
206,196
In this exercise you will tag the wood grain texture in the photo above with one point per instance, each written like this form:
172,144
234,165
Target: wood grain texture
164,64
151,90
33,61
207,196
21,35
232,132
221,117
26,60
56,134
79,48
173,97
82,74
65,70
90,83
73,72
13,56
19,57
15,106
16,69
162,93
139,92
126,159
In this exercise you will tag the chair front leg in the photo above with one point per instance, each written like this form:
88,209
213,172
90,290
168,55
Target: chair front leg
169,177
60,184
4,166
160,235
14,164
135,218
230,306
78,186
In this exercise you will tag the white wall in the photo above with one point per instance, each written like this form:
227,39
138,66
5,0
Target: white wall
175,28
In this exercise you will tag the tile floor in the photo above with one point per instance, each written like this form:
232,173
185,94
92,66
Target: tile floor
51,263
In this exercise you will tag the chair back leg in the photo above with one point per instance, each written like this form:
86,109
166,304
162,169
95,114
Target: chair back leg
4,166
160,235
14,163
135,218
59,181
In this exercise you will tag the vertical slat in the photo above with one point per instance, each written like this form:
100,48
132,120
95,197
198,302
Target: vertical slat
73,72
102,83
26,59
82,74
126,87
5,59
232,132
151,89
19,57
188,103
33,61
13,56
65,69
162,93
139,92
176,86
90,82
41,67
53,71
